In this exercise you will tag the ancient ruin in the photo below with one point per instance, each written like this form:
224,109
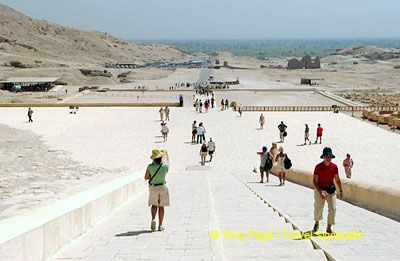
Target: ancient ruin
305,63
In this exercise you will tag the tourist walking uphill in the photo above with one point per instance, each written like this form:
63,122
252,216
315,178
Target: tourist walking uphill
265,163
211,148
307,135
158,191
194,131
348,165
166,110
164,131
319,134
282,132
30,112
201,133
203,153
161,111
261,121
325,175
280,164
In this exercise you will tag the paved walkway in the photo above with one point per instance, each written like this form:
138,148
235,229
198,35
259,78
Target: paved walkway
202,202
380,234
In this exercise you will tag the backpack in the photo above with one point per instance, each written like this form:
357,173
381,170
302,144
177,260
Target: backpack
268,164
287,162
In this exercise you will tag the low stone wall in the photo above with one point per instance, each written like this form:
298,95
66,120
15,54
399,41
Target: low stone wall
41,232
88,104
380,199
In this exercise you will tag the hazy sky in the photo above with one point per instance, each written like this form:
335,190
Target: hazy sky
148,19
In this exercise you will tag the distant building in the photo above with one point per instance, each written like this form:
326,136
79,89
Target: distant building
305,63
30,84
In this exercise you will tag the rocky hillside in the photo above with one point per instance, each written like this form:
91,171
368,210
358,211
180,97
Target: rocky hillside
371,52
25,37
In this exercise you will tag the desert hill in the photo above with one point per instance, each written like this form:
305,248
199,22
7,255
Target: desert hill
25,37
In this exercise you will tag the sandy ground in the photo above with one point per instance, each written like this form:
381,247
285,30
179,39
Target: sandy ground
119,140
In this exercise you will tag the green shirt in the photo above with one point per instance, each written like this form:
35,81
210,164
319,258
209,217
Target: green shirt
160,177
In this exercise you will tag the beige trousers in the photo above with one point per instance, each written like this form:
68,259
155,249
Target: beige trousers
319,204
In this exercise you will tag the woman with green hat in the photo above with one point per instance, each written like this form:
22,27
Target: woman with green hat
158,191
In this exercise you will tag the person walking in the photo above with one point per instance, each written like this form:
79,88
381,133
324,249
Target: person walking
280,163
307,135
319,134
325,175
164,131
201,107
348,165
226,104
264,156
222,104
262,121
282,131
30,113
166,110
194,131
240,110
212,102
158,192
197,105
206,105
161,111
201,133
211,148
203,153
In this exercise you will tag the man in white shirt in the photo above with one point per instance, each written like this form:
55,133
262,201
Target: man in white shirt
200,133
211,148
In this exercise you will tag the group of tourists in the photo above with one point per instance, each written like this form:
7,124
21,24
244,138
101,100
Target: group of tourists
224,104
164,113
198,104
275,156
207,149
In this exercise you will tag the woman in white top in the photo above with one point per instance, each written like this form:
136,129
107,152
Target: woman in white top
280,166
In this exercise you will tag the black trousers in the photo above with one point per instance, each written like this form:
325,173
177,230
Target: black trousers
30,119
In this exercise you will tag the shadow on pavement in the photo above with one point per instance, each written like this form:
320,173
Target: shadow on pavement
134,233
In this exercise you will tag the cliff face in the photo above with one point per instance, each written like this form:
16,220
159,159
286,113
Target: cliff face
25,36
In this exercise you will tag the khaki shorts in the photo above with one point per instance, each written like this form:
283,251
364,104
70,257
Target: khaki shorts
158,196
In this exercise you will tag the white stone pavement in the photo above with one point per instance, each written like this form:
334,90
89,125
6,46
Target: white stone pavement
202,201
380,234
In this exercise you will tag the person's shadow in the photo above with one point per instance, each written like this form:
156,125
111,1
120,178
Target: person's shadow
134,233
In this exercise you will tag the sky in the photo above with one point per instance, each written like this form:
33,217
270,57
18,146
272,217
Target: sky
221,19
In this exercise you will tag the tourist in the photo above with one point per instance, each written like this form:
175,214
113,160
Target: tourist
201,133
161,111
325,174
319,134
212,102
203,153
264,156
280,164
194,131
30,112
273,151
211,148
164,131
261,121
240,110
226,104
158,191
348,165
166,110
196,105
222,104
282,132
206,105
180,100
307,135
201,107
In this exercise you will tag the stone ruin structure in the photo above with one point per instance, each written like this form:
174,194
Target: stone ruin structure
305,63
